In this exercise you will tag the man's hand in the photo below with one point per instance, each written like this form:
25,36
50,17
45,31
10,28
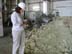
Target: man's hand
25,21
26,25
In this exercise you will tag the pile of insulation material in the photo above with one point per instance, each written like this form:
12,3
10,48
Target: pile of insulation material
52,38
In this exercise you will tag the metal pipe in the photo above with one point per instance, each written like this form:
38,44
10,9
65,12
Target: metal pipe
45,7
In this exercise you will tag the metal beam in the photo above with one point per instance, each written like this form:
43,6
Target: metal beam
59,0
35,2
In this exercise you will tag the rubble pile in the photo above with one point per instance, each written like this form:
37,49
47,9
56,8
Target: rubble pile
52,38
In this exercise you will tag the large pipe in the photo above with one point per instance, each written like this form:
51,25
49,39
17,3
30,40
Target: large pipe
1,20
45,7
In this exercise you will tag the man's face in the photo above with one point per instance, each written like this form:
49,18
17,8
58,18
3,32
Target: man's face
22,12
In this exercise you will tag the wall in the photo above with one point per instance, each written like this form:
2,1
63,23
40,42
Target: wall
30,4
64,7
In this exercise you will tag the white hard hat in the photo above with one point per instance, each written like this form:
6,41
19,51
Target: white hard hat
22,5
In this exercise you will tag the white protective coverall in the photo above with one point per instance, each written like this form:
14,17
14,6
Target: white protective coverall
17,33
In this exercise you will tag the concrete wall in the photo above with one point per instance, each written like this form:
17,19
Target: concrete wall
32,3
64,7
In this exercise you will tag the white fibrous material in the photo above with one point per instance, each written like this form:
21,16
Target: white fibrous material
52,38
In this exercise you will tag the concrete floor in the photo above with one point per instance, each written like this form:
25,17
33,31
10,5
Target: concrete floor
6,45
